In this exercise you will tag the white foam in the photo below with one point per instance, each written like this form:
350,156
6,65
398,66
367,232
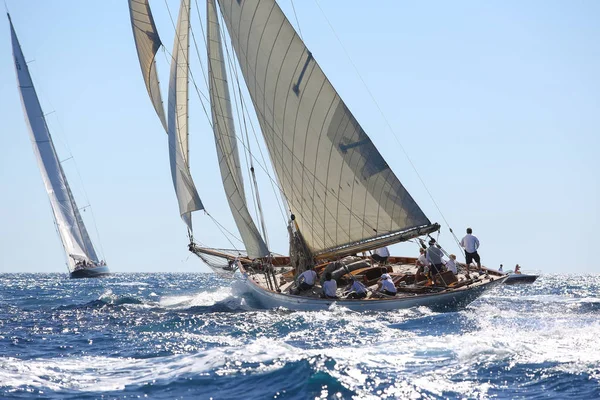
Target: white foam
195,300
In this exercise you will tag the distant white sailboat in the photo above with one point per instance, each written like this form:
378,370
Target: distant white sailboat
82,259
342,196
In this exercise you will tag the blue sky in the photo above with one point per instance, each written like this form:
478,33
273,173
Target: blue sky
497,103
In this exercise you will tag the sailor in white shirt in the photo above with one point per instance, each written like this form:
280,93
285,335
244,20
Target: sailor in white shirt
451,264
381,254
386,285
307,279
330,287
470,243
422,266
357,290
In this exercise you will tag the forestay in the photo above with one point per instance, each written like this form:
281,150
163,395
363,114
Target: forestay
178,119
72,231
226,140
334,179
147,43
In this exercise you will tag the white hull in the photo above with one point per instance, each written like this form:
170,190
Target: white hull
443,301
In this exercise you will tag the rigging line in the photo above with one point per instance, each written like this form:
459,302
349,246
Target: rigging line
262,165
222,228
191,74
297,21
247,154
245,108
382,114
256,202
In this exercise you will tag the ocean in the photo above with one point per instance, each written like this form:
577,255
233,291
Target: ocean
191,336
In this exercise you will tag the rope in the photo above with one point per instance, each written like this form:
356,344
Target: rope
222,228
297,21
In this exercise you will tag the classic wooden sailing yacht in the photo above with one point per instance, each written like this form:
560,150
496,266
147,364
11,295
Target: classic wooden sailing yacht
82,259
343,198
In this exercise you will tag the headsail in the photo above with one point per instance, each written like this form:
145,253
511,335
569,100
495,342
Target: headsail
335,181
147,43
178,119
226,140
72,231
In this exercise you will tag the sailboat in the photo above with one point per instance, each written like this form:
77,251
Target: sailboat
82,259
343,199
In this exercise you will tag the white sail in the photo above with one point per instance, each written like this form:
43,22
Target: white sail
187,195
147,43
72,231
335,181
226,140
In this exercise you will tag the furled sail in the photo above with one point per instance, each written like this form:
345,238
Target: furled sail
147,43
335,181
72,231
187,195
226,140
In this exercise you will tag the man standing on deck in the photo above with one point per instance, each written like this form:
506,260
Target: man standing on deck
470,243
381,254
434,256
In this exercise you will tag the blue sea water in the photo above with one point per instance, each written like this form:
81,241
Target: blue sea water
171,336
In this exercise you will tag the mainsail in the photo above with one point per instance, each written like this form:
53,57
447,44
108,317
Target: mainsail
336,183
72,231
226,140
147,43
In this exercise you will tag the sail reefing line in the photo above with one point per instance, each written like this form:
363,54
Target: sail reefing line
69,224
337,184
226,139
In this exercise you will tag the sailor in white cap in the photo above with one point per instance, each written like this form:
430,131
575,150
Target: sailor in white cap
386,286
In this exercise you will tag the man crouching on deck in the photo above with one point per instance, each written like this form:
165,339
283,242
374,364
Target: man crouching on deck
307,280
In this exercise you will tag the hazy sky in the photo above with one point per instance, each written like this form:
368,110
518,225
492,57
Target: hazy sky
497,103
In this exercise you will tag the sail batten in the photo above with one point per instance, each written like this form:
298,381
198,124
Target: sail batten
335,181
226,139
147,43
185,189
72,231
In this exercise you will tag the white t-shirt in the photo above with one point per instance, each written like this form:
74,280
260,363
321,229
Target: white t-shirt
382,252
330,288
451,266
470,243
388,285
423,260
309,277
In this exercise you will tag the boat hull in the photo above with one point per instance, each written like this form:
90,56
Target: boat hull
95,272
516,279
451,300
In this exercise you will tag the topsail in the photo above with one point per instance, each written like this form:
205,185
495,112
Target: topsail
178,119
147,43
335,181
